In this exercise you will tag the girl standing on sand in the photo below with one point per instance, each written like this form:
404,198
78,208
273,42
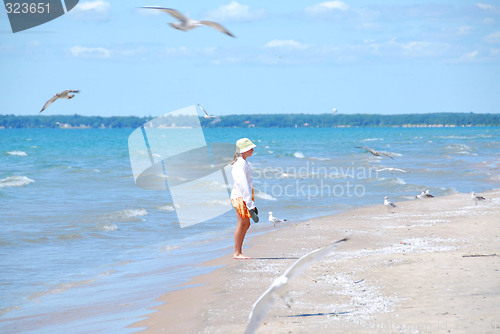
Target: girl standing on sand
242,196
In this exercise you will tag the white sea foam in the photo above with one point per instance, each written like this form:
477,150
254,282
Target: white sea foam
263,195
106,227
166,207
134,212
299,155
219,202
15,181
128,215
372,139
168,248
395,181
32,146
495,178
61,288
18,153
459,149
452,137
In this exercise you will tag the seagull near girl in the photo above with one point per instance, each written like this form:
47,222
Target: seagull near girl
389,205
280,285
275,220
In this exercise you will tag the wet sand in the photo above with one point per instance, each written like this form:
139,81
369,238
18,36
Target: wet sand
431,266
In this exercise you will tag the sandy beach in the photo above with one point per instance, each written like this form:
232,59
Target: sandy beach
432,266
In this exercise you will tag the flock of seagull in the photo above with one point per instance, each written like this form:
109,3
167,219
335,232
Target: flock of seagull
423,194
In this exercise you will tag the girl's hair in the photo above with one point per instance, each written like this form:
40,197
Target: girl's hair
236,156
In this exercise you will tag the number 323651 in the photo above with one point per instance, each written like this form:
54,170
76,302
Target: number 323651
24,8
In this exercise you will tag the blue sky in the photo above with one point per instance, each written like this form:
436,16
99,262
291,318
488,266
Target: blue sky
376,57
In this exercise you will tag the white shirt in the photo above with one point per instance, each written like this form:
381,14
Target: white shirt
243,185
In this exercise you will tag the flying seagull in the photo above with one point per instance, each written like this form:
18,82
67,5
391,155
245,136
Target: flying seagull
391,170
275,220
377,153
476,198
388,204
187,23
207,116
334,111
63,95
280,285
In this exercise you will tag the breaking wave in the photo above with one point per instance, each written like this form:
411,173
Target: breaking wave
18,153
15,181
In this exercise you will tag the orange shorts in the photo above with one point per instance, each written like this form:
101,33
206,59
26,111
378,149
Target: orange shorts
241,207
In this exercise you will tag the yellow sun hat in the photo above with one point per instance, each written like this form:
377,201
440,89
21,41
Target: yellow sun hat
243,145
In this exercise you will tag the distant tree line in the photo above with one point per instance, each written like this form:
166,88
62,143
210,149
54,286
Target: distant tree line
12,121
259,121
362,120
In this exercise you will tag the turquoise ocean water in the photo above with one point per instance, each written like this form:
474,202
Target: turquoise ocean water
82,249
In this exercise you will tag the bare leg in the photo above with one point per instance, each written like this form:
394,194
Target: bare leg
239,236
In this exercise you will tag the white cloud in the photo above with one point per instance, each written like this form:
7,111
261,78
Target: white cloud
33,44
470,56
495,52
235,11
176,52
464,30
81,51
489,8
98,10
326,7
277,43
493,38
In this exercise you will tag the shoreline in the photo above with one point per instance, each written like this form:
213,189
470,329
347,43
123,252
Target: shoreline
427,268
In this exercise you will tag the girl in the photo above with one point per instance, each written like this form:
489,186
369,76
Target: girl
242,194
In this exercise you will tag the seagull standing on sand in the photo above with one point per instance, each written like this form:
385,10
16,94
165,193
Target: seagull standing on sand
207,116
280,285
187,23
388,204
63,95
428,194
422,195
275,220
476,198
376,153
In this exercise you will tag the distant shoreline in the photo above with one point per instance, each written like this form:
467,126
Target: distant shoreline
431,120
334,127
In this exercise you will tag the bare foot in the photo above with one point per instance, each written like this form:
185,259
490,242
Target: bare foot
241,257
